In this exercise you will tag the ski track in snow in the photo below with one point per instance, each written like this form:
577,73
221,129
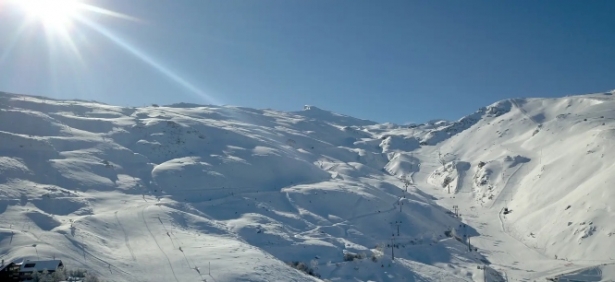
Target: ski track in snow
503,228
89,254
156,241
126,239
504,189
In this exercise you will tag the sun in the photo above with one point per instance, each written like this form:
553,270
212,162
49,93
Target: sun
53,14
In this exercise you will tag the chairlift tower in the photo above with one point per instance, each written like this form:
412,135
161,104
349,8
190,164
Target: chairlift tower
393,247
397,223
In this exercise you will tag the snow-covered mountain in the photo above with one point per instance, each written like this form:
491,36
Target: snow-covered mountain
191,193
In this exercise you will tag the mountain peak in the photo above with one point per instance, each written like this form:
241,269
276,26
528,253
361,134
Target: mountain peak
317,113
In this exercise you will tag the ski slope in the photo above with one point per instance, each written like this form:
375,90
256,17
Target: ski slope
216,193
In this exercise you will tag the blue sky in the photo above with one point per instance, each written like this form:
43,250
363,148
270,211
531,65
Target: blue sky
396,61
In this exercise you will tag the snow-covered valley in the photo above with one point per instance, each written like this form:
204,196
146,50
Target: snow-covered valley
214,193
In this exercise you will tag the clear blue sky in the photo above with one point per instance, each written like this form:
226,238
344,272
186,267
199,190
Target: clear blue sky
396,61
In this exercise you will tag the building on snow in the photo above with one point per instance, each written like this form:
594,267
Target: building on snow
22,271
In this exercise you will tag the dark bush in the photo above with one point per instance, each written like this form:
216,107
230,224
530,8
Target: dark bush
447,181
304,268
352,256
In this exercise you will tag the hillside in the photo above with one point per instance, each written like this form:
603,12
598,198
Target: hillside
193,192
159,193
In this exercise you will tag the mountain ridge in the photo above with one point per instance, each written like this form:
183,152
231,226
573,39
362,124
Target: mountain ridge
310,186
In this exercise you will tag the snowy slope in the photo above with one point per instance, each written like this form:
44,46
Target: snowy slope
160,193
549,161
165,193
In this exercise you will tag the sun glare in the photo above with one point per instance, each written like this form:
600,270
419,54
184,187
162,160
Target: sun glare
59,16
53,14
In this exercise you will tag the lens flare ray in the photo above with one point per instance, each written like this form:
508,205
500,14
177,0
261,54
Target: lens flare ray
106,12
150,61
